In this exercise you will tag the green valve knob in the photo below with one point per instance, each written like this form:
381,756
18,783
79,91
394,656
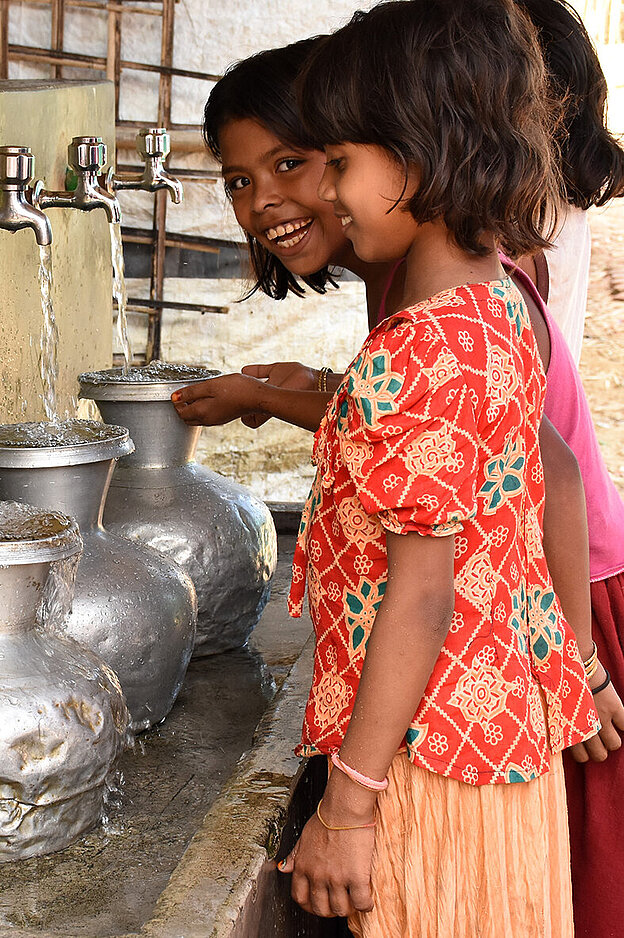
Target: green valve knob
71,179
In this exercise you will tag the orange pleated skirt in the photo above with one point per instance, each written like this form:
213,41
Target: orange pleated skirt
454,860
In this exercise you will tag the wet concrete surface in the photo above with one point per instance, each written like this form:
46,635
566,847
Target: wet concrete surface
108,883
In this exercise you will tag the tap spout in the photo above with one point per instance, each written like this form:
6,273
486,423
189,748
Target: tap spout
153,146
150,182
87,157
16,210
87,196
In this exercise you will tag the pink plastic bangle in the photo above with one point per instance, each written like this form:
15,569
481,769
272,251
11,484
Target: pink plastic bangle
371,783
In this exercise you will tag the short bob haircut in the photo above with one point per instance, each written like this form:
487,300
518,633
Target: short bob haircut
592,162
261,88
458,90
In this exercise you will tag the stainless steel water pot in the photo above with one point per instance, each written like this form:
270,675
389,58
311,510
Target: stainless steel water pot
62,714
134,607
220,533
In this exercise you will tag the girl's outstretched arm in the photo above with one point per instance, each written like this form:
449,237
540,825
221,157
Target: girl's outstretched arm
566,548
291,375
220,400
331,869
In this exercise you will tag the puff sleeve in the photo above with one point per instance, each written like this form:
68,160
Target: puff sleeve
408,431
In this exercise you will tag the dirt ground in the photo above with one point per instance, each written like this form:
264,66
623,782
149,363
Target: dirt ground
602,361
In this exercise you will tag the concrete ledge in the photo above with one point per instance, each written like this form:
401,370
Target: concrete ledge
286,516
219,872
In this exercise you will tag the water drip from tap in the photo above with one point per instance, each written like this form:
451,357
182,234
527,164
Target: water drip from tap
119,293
48,359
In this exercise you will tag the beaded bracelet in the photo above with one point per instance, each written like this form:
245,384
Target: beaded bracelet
371,783
353,827
321,384
604,684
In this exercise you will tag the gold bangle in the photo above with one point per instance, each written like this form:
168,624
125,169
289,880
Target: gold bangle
591,664
589,672
354,827
321,384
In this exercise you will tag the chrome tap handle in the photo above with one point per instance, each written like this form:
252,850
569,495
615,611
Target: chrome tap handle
153,143
17,168
87,155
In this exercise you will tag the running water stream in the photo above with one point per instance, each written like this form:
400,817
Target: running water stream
48,361
119,293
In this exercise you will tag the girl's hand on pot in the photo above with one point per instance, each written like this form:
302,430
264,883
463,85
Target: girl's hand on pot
217,400
331,870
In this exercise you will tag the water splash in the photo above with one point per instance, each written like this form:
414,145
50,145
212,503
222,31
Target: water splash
19,522
146,374
58,593
48,360
88,410
61,433
119,293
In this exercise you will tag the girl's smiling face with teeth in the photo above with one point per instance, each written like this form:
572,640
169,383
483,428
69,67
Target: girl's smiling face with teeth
273,187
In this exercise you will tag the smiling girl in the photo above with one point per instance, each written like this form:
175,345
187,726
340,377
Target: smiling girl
438,633
271,169
439,636
274,193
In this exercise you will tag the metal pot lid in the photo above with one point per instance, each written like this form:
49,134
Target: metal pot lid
62,443
34,535
154,382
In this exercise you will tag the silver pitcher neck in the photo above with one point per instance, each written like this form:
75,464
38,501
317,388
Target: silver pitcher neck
77,490
161,439
30,540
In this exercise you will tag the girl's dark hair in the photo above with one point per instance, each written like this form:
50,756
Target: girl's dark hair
592,160
261,88
456,89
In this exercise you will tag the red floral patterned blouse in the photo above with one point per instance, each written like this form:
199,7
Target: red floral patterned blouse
435,429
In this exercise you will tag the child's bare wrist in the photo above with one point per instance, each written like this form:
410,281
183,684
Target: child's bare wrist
266,397
348,799
586,648
339,813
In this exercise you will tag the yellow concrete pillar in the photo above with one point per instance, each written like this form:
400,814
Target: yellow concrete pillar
45,116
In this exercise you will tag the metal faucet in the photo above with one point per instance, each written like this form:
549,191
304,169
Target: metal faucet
17,168
153,146
87,158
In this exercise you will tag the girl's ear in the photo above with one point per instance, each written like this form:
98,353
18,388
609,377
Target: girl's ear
411,183
414,177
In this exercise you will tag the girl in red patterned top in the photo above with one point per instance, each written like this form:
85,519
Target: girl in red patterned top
435,122
257,93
